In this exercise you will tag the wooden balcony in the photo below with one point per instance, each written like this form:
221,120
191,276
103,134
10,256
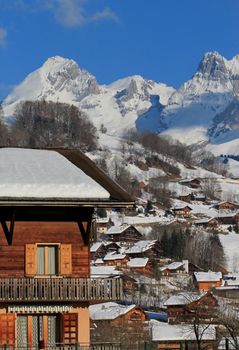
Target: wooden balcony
55,289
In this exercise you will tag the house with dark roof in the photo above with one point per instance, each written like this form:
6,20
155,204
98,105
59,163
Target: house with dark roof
47,200
127,234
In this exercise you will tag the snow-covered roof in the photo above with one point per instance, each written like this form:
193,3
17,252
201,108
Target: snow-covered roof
108,311
115,230
138,262
114,256
182,298
104,271
95,246
140,246
181,207
227,215
162,331
203,221
31,173
102,220
172,266
209,276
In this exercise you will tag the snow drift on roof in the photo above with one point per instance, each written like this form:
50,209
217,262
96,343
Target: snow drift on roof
108,311
28,173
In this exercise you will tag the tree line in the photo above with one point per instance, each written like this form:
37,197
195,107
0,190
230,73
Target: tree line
48,124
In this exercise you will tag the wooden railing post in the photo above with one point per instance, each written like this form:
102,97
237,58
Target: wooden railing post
59,289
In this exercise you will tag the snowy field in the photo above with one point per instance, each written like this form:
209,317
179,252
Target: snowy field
230,244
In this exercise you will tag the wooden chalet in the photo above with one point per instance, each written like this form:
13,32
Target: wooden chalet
127,234
207,223
129,283
205,281
185,306
126,324
229,218
98,250
226,206
142,266
174,268
182,337
192,183
144,248
185,197
103,224
114,259
47,199
182,211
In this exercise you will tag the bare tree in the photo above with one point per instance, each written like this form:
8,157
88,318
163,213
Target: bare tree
211,187
228,318
50,124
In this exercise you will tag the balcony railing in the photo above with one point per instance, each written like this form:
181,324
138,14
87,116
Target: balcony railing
59,289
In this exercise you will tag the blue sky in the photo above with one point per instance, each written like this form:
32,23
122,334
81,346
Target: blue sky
163,40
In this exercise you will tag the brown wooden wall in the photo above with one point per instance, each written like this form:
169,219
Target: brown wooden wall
12,258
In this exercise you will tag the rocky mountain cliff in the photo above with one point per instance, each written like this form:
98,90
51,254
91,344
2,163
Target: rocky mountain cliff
204,110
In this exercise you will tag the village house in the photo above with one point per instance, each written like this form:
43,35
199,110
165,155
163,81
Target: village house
199,197
113,259
186,306
176,267
181,337
185,197
126,234
182,210
226,206
207,223
207,280
142,266
103,224
47,200
97,251
144,248
192,183
228,218
108,272
126,324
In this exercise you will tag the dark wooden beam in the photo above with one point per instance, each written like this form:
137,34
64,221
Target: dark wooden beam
9,231
85,233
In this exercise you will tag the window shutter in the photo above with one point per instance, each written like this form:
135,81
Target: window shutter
65,259
31,259
7,329
70,328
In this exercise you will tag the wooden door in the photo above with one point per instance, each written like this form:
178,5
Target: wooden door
7,329
70,328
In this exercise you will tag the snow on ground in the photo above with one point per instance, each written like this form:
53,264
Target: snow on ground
233,167
230,244
230,147
229,189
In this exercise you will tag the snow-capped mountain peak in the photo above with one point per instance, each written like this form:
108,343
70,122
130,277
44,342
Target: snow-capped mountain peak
59,79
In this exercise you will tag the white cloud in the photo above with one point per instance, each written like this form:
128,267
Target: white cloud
71,13
3,35
105,14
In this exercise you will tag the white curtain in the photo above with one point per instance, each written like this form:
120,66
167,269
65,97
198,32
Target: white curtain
40,260
52,260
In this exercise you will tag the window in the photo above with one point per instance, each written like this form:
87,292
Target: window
47,260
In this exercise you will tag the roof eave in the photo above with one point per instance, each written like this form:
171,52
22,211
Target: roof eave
53,202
